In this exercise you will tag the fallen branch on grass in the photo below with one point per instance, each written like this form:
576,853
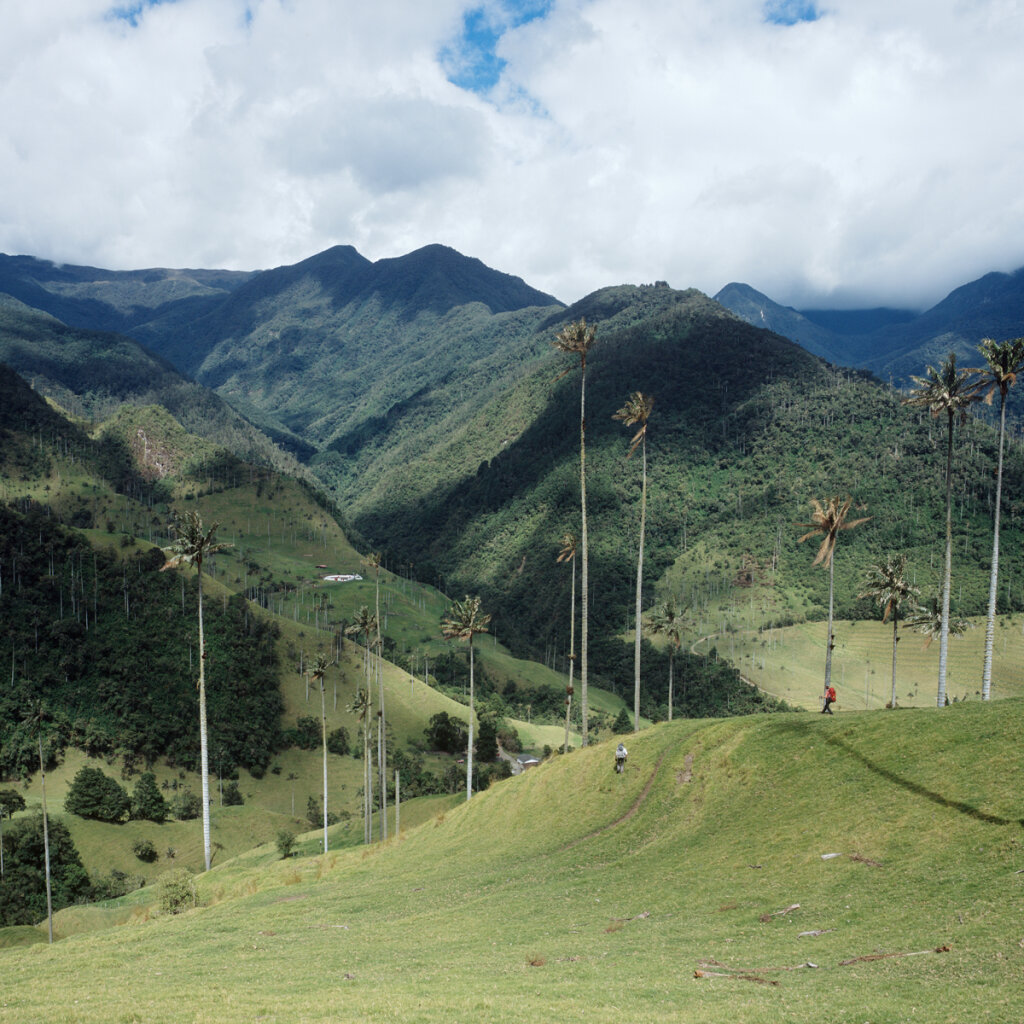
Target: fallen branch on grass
886,956
741,977
781,913
864,860
725,971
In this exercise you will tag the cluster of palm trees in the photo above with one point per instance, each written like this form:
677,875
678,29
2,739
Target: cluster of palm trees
948,391
577,339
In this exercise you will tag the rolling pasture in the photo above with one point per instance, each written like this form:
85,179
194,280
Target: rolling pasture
781,867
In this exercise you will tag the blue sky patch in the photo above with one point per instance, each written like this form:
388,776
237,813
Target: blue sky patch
790,12
132,12
471,61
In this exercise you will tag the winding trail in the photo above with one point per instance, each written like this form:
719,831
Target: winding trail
629,814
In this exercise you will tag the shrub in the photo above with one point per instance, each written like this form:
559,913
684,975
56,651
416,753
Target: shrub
148,803
117,883
285,842
338,742
186,805
177,890
95,795
10,801
232,795
445,733
145,850
306,734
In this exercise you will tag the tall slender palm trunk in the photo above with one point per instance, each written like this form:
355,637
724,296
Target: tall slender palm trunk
469,750
46,843
895,641
990,621
671,661
572,651
323,738
382,739
947,576
584,565
204,752
830,639
639,594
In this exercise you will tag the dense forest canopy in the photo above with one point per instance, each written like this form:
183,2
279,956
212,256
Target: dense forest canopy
108,643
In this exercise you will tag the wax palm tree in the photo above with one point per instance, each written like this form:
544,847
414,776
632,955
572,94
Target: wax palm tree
462,622
318,675
1004,360
364,624
361,706
192,547
951,391
886,582
667,621
927,620
34,720
373,561
828,520
637,411
568,554
578,339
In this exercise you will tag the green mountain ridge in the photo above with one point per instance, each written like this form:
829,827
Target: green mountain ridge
895,344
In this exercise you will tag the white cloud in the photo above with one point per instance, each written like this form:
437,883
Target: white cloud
869,154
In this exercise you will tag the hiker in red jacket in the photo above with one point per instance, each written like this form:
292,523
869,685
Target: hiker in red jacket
830,699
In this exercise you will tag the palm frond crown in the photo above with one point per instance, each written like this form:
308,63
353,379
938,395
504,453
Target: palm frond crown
828,520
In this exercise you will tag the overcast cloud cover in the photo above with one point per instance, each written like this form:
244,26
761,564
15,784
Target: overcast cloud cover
840,152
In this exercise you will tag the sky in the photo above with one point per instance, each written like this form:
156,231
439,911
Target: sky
839,153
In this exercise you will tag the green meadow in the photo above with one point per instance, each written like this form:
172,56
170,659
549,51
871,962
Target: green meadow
868,867
790,662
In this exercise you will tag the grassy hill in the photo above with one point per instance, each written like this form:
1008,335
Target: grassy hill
789,662
757,869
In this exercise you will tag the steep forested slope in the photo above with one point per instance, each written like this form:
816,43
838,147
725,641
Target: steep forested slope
93,374
746,429
105,640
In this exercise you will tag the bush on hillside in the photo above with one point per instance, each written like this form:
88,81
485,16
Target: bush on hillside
306,734
23,883
10,801
97,796
148,803
338,742
177,890
186,805
285,841
232,796
145,850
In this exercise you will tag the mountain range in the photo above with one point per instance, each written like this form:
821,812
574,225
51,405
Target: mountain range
894,344
424,394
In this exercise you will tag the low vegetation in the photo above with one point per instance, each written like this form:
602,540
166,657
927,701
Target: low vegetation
757,869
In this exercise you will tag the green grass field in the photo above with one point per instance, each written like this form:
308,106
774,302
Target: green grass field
790,663
763,869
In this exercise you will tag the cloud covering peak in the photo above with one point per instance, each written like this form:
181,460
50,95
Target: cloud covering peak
841,153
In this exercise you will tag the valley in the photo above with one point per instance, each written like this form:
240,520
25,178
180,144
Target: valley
407,427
